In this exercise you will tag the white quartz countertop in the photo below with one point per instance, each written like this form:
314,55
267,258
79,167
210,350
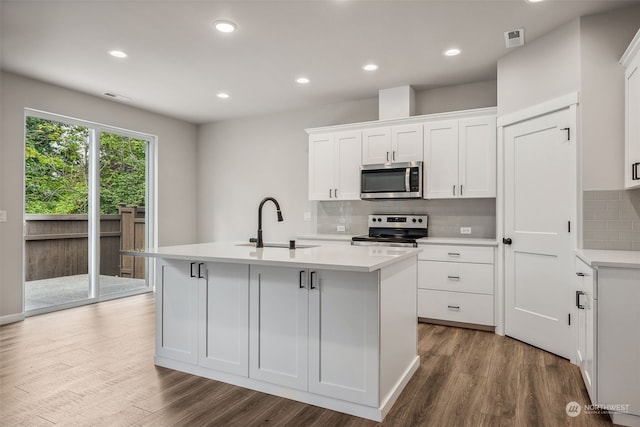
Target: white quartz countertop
333,257
604,258
329,237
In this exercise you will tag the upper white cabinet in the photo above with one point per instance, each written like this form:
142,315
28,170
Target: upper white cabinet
334,166
631,61
393,144
460,158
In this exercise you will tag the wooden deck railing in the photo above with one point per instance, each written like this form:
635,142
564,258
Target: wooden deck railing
57,245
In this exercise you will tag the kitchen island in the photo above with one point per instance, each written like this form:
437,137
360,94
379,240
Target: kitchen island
332,326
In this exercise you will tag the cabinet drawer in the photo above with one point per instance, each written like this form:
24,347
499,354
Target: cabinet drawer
456,306
456,276
479,254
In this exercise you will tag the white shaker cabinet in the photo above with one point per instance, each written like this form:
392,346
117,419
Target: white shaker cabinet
278,326
393,144
177,299
631,62
224,318
343,310
205,313
586,321
618,351
334,166
460,158
456,284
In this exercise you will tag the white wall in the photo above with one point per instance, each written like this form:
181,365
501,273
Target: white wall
176,173
541,70
603,40
242,161
460,97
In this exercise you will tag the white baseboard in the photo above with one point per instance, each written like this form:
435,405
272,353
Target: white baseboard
11,318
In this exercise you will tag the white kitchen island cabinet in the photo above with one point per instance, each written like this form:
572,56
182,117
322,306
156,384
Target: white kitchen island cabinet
333,326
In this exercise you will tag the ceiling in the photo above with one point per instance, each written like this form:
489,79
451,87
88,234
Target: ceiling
177,63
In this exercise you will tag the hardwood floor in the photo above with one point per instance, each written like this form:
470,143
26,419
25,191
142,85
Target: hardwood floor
93,366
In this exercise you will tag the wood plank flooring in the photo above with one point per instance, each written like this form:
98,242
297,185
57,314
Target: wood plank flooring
93,366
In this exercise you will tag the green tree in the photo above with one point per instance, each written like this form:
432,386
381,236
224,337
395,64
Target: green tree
56,169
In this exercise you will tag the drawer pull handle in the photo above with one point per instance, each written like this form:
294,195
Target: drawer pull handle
580,274
454,254
454,307
453,277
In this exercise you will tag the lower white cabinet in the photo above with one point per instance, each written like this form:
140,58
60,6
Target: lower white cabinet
343,335
223,318
279,323
315,330
618,345
586,305
456,284
204,314
177,299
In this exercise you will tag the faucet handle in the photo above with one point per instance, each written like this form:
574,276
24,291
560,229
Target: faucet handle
253,240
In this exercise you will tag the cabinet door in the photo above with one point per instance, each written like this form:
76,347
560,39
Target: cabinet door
224,318
585,357
278,318
376,146
177,306
343,336
632,124
321,167
618,346
349,152
407,143
441,160
477,157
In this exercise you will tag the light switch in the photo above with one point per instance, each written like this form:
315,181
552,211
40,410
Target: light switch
3,216
465,230
307,216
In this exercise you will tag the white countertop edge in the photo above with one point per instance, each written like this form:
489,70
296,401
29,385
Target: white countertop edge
606,258
329,237
181,252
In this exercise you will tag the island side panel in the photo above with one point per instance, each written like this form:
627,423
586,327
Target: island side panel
398,328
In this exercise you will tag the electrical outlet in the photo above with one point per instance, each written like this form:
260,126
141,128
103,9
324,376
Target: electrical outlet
307,216
3,216
341,228
465,230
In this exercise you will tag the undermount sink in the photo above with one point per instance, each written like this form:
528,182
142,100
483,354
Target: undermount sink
277,245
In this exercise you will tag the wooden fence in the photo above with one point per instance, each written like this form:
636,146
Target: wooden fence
57,245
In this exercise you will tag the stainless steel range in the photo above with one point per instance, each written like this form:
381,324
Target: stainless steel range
393,230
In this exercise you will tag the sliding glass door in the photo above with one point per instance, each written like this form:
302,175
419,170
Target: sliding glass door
87,193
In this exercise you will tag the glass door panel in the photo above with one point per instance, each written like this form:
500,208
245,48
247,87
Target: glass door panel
123,191
56,214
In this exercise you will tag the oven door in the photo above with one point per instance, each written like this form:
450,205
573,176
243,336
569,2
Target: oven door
391,181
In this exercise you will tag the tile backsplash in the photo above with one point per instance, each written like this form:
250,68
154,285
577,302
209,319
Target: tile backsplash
611,219
445,216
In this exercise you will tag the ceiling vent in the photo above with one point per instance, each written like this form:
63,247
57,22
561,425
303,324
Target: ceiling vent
514,38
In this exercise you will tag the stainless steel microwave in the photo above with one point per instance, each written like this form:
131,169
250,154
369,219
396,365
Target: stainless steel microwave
391,181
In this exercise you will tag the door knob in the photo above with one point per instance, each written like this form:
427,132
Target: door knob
507,241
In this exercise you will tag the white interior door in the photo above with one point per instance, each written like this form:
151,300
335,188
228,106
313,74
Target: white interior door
540,197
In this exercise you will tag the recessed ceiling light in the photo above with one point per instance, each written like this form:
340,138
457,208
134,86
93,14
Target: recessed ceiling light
224,26
370,67
118,53
302,80
534,1
451,52
222,95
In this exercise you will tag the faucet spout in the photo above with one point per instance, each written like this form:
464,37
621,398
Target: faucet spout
259,242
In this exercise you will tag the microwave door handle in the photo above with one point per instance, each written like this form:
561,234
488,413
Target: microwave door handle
407,181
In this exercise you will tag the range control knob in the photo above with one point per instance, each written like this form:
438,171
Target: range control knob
379,219
420,220
414,220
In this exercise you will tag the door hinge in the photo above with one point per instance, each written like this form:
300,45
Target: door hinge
568,133
569,226
569,319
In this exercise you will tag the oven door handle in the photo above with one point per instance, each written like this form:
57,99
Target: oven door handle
407,180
